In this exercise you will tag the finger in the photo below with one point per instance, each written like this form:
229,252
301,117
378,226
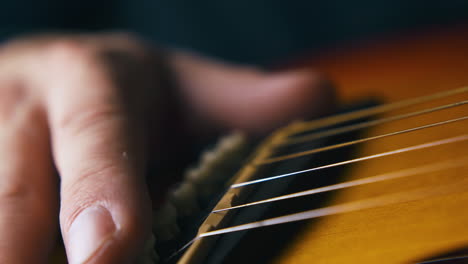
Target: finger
246,98
104,215
28,186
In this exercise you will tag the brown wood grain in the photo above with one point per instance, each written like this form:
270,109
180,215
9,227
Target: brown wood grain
394,68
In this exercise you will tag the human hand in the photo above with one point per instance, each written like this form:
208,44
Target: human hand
84,106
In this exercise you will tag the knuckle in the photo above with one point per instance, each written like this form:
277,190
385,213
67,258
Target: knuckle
13,187
68,48
12,96
88,118
68,54
90,178
10,191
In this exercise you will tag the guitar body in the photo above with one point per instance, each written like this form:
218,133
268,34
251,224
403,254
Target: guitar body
395,68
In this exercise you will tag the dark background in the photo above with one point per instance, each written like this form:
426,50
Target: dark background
255,31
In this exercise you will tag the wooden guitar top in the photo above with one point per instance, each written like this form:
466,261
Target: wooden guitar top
399,67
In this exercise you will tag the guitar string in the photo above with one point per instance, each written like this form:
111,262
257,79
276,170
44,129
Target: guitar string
366,124
352,183
384,200
341,208
303,126
353,142
383,154
373,179
445,260
340,118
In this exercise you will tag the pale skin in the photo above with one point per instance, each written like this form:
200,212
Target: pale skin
79,107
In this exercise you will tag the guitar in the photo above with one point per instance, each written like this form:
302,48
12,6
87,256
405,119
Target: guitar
431,228
381,184
404,207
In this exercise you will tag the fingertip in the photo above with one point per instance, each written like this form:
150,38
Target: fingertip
96,237
91,230
278,98
111,226
229,96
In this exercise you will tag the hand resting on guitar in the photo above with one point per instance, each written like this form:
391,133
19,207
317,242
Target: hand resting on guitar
88,108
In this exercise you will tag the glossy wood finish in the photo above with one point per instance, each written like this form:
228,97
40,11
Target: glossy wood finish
395,68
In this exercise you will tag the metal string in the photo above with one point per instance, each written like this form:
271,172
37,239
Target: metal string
341,208
336,209
349,143
445,260
373,179
340,118
340,130
383,154
363,204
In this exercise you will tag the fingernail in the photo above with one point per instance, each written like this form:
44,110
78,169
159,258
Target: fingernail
92,228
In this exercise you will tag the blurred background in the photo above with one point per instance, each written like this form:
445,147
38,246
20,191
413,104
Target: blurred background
258,32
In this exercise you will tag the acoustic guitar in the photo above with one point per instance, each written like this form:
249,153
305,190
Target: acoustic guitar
383,181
